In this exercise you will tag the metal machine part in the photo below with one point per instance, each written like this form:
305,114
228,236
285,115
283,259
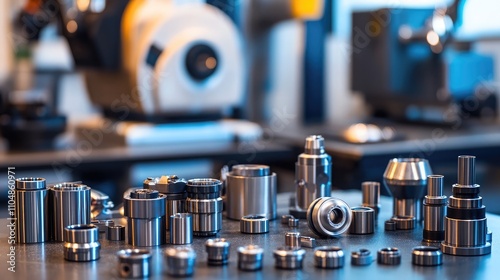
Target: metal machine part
100,205
404,223
32,224
426,256
363,220
181,229
371,196
292,239
134,263
204,202
103,225
329,257
70,204
180,261
313,175
309,242
406,180
217,251
361,258
257,185
250,258
329,216
289,258
175,191
82,243
293,222
489,236
116,233
286,218
465,222
389,256
434,210
254,224
145,212
390,225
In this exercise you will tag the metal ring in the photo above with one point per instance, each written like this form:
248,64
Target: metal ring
389,256
426,256
361,257
363,220
329,257
289,258
134,263
180,261
218,251
82,243
404,222
329,216
29,183
390,225
254,224
250,257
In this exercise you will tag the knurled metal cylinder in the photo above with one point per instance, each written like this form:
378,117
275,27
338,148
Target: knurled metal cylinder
32,213
313,174
180,261
251,189
70,204
363,220
217,251
289,258
250,257
134,263
371,196
145,212
329,216
205,204
434,210
329,257
82,243
181,229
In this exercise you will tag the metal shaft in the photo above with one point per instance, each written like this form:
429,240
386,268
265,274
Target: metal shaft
434,210
466,170
371,196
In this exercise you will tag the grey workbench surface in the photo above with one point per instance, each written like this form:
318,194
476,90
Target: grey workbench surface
45,261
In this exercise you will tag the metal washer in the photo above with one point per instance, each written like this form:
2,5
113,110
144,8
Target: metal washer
254,224
389,256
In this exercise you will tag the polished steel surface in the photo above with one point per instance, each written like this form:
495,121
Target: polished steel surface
217,251
329,216
31,212
81,243
361,257
329,257
116,233
363,220
70,203
254,224
390,225
251,190
389,256
289,258
205,205
134,263
181,229
180,261
250,258
434,210
426,256
292,239
466,170
308,242
404,223
371,195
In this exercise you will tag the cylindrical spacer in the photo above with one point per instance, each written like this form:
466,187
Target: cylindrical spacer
180,261
134,263
329,216
217,251
181,229
371,195
426,256
435,185
404,223
329,257
466,170
361,257
289,258
250,257
257,185
292,222
292,239
116,233
82,243
363,220
32,214
390,225
254,224
71,206
389,256
205,204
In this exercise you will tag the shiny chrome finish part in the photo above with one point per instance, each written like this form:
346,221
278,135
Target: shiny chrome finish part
251,189
180,261
329,216
254,224
82,243
329,257
389,256
434,210
289,258
205,204
250,258
145,212
217,251
292,239
32,224
308,242
371,196
363,220
361,258
134,263
406,181
70,204
313,175
181,229
292,222
404,223
116,233
426,256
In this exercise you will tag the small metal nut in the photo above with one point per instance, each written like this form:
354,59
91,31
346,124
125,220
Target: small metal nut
180,261
309,242
292,222
389,256
250,257
329,257
361,257
218,251
254,224
285,218
289,258
134,263
426,256
292,239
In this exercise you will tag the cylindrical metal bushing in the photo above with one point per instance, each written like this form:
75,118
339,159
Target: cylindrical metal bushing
292,239
434,210
134,263
116,233
32,224
285,218
329,257
329,216
361,257
390,225
292,222
389,256
251,189
371,196
70,204
313,175
404,223
217,251
181,229
250,257
174,189
145,212
180,261
426,256
363,220
254,224
82,243
205,204
289,258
